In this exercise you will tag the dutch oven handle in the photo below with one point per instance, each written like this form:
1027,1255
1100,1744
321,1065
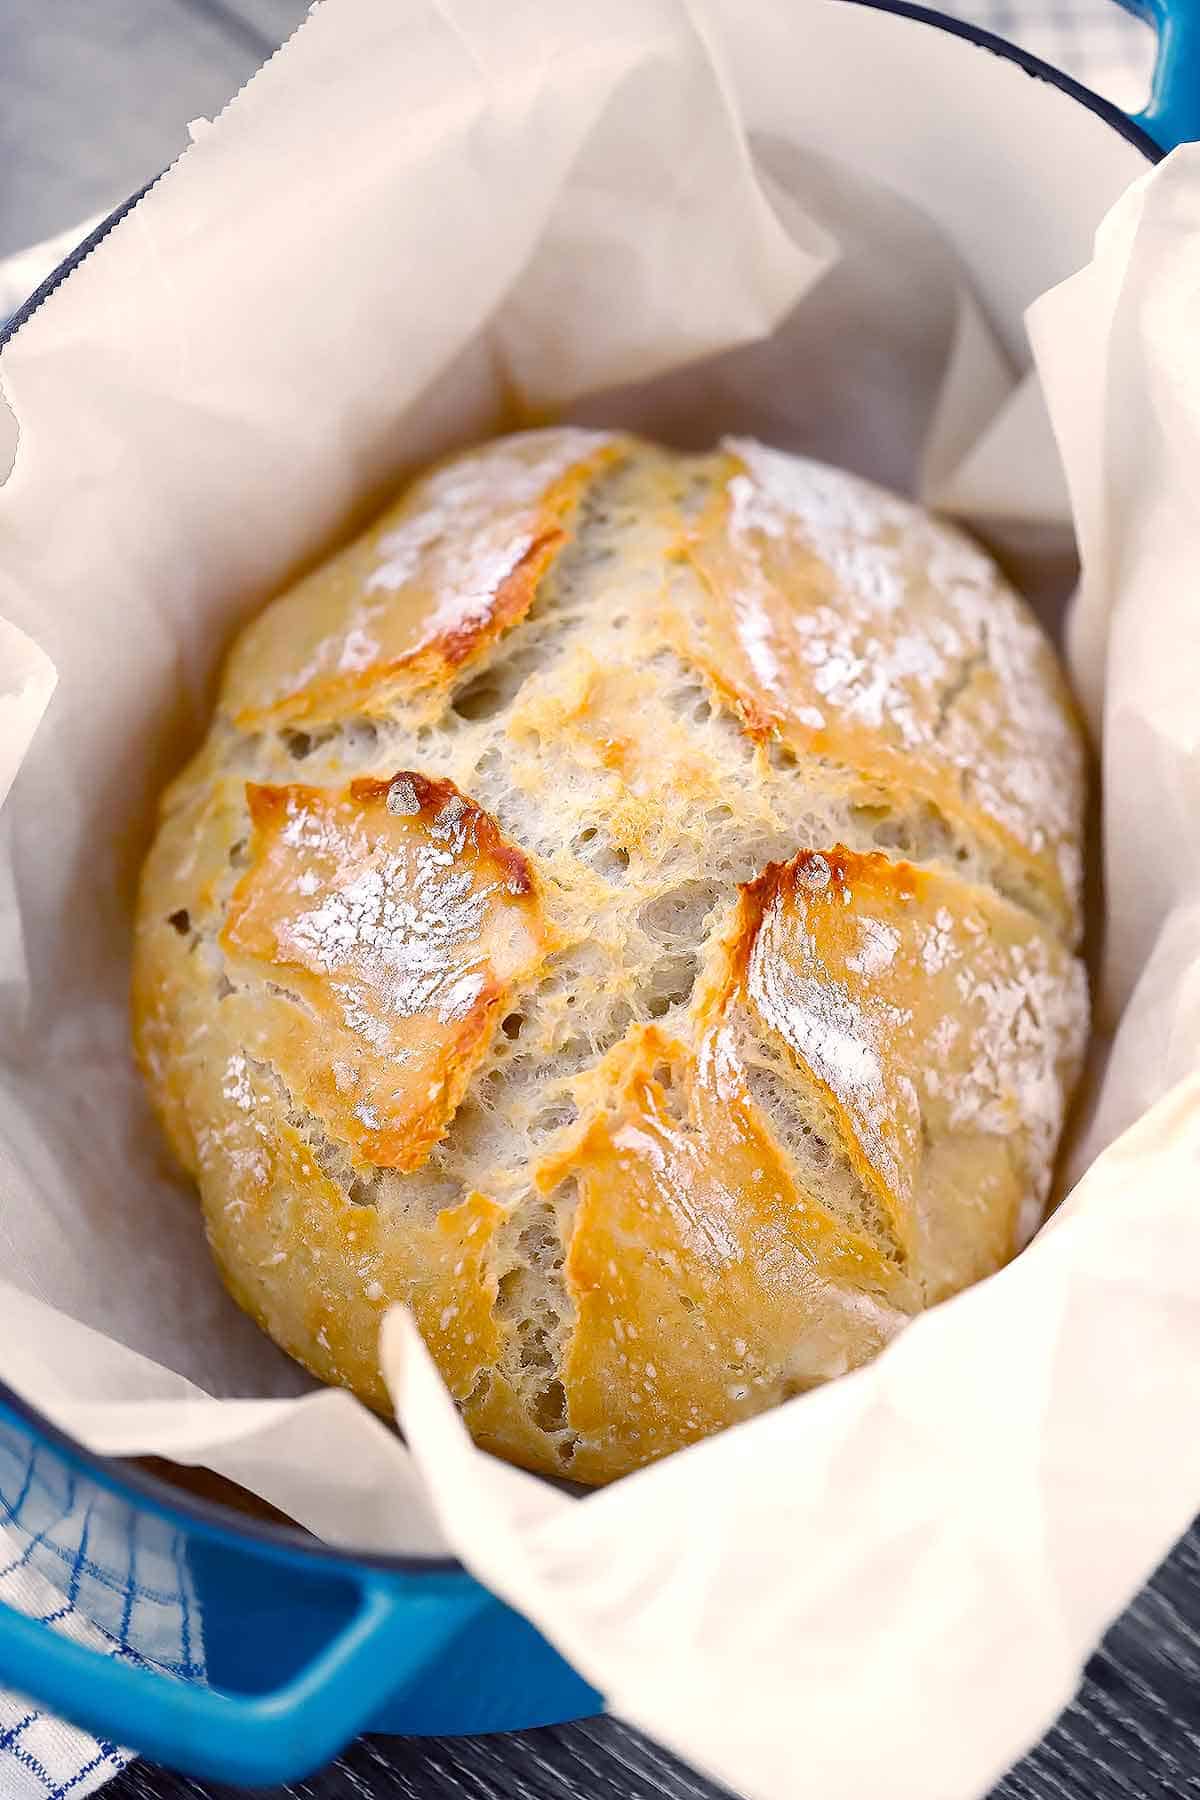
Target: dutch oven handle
393,1635
1173,114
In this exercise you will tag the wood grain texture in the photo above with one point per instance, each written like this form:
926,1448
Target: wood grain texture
1133,1733
600,1759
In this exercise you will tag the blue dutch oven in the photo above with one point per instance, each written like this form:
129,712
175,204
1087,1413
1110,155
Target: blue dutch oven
247,1652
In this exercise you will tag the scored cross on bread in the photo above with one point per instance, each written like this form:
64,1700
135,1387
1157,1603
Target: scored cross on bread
632,923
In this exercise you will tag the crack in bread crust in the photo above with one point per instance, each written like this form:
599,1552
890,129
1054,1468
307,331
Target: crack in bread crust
771,1022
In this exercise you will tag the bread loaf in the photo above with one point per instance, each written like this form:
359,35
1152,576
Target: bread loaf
625,909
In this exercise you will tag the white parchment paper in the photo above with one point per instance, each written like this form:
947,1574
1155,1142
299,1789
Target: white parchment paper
419,222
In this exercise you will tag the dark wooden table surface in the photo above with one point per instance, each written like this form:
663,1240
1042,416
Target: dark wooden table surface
94,98
1133,1733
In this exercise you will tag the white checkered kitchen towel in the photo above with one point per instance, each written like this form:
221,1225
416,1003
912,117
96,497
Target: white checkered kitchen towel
112,1578
126,1591
1096,41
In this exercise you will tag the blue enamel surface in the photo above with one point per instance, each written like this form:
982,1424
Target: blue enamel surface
1173,115
248,1654
242,1653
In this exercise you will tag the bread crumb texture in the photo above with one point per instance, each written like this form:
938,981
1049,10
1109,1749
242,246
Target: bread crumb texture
626,910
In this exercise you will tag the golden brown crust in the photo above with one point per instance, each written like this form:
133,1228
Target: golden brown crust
692,1255
454,564
855,628
926,1013
317,1271
397,920
552,969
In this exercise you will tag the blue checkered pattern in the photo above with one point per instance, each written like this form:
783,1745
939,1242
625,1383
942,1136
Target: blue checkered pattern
119,1582
1096,41
101,1573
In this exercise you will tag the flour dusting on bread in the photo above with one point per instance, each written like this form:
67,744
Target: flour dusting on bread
625,910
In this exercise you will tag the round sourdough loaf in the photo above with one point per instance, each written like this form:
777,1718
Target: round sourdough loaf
625,909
